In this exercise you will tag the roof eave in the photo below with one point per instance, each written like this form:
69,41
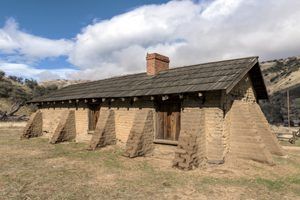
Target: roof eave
238,79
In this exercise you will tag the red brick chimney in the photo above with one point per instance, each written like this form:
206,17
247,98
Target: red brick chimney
156,63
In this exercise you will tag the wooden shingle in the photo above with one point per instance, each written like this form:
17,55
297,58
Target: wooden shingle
222,75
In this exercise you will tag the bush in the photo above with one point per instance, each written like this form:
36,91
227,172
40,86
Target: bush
52,88
18,94
40,90
2,74
31,83
16,78
5,88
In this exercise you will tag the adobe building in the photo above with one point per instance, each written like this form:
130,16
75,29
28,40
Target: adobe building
209,111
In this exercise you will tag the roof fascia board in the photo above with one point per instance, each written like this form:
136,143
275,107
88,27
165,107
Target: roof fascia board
264,84
239,78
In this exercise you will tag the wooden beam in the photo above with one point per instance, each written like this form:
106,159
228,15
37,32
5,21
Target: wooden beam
288,106
161,141
165,97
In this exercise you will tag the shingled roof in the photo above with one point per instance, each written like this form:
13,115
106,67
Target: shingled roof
221,75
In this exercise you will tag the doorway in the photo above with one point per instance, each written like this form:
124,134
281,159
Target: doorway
168,119
94,112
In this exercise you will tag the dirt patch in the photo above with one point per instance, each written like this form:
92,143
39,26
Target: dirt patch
12,124
35,169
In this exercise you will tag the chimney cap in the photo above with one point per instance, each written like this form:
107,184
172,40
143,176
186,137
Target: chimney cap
157,57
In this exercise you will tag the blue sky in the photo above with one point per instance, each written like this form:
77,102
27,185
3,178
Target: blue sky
55,19
63,18
94,39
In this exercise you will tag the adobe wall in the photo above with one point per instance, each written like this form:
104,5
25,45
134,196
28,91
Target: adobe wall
140,140
214,125
66,129
125,112
214,112
124,116
191,150
244,92
34,127
104,133
246,130
201,134
52,115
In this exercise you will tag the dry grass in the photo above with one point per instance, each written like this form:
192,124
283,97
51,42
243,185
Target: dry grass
35,169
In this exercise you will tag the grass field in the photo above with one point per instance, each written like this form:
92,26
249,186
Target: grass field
35,169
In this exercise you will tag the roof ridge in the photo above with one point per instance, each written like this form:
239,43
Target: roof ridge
94,81
173,68
226,60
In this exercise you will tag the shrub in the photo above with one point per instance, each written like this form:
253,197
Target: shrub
31,83
18,94
38,91
51,88
16,78
5,88
2,74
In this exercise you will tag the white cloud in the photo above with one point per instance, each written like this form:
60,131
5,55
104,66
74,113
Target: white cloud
188,32
26,71
221,8
30,47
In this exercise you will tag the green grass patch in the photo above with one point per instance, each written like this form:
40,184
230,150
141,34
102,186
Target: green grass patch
287,143
277,184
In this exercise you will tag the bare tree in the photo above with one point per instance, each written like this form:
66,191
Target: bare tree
10,114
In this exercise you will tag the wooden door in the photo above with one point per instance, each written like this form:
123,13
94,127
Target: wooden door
94,111
168,120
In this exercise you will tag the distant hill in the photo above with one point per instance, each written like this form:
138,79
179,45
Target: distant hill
15,91
60,83
281,75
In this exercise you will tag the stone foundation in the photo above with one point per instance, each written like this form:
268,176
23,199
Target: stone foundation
34,126
140,140
66,129
105,133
